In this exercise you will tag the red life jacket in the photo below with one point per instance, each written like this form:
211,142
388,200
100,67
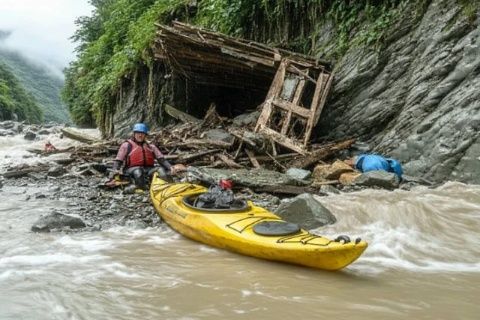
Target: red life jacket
139,155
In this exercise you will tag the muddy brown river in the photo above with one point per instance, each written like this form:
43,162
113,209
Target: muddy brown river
423,262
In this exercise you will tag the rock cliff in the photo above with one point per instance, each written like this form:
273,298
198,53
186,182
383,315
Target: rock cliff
417,99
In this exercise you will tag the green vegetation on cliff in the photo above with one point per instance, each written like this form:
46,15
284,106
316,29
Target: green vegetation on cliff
111,43
15,100
41,83
117,38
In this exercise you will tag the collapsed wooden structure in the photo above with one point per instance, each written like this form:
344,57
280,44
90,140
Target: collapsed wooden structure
299,84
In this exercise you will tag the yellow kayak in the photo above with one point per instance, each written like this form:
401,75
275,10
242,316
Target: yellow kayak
248,229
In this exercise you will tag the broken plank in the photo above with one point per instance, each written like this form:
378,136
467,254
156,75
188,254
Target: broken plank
78,136
289,190
199,143
180,115
229,162
276,162
320,154
191,157
288,106
282,140
269,158
241,137
252,158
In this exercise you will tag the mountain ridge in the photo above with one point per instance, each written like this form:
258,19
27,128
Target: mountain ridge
42,84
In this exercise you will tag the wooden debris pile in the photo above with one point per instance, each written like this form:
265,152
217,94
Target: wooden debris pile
299,84
210,142
189,143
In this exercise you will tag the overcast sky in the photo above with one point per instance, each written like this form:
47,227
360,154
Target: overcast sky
42,28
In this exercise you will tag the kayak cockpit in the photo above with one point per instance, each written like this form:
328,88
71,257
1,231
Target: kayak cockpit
211,204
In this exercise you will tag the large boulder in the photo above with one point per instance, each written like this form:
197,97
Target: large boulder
57,220
306,211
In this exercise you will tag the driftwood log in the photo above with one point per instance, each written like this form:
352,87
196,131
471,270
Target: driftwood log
78,136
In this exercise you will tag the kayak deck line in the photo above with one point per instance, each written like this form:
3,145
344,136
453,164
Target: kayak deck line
253,217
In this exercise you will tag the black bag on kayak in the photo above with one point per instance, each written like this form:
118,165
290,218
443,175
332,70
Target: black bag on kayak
215,198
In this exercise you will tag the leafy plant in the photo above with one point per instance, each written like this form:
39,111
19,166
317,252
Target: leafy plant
15,100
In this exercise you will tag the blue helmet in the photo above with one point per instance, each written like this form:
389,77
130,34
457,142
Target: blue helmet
140,127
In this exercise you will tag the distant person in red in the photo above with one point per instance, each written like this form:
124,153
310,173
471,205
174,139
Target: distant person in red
49,147
138,157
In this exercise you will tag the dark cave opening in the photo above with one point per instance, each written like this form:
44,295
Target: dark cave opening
229,101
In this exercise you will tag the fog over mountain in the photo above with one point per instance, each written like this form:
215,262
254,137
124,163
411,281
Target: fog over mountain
40,30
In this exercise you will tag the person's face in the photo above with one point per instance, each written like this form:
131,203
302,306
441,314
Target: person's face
139,136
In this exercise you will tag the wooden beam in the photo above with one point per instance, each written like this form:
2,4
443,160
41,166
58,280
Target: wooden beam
273,92
314,106
288,106
320,154
180,115
284,141
229,162
252,158
296,99
324,98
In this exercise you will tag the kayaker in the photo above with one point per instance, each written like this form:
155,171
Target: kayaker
49,147
372,162
138,157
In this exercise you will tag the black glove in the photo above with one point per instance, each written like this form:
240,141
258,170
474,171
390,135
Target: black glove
164,163
115,169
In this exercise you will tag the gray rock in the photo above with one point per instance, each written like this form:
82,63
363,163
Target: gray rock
18,128
29,135
44,132
378,178
135,224
415,180
306,211
298,174
219,135
57,220
329,189
54,189
7,124
4,133
38,175
56,171
246,119
360,147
